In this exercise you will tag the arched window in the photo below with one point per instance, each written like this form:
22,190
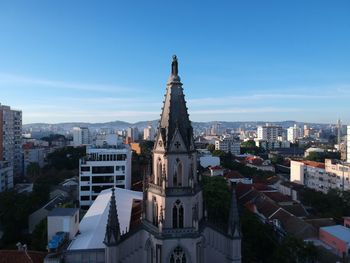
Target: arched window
159,172
178,215
178,256
149,251
177,177
155,212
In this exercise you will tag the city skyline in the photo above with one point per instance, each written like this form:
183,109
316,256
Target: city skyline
86,62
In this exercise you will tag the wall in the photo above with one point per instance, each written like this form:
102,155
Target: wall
339,245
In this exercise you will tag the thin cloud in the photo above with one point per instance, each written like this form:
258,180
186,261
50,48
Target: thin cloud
246,110
261,97
11,79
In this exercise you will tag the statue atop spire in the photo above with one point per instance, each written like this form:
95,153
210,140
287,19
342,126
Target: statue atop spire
174,66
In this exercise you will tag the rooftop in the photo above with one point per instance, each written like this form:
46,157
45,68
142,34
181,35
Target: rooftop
63,211
93,225
339,231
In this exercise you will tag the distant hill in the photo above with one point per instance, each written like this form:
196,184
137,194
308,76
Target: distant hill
120,125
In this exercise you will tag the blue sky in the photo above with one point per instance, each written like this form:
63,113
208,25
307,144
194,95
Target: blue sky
100,61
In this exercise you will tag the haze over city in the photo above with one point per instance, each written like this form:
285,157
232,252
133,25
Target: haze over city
78,61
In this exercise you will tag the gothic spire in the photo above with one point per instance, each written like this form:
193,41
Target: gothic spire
174,118
233,221
112,235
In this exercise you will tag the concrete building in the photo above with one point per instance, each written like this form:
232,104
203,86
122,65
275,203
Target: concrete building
6,176
269,133
63,220
34,155
321,176
133,134
111,139
228,144
81,136
149,133
337,237
103,168
348,144
293,133
11,138
271,145
165,223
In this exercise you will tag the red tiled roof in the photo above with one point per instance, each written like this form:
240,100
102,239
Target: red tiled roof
261,187
278,197
314,164
15,256
242,189
233,174
215,168
296,209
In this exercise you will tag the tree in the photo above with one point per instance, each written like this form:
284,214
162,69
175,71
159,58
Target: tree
217,198
39,236
211,148
33,170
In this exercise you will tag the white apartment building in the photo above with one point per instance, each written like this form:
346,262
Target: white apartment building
294,133
321,176
269,145
6,176
11,138
103,168
228,144
269,132
34,155
81,136
348,143
149,133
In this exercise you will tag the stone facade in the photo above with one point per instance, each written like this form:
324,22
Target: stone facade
173,226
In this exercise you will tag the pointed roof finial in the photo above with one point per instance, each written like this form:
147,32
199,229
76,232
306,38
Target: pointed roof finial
112,235
174,66
233,221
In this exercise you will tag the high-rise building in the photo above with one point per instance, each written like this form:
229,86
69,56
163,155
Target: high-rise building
6,176
103,168
269,133
148,133
228,144
293,133
348,144
133,134
11,138
81,136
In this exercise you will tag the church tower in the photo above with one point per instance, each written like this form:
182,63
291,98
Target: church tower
172,228
174,197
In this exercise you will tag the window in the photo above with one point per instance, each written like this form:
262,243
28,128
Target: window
85,168
159,172
85,188
177,178
120,177
178,256
102,179
158,253
85,198
84,178
121,157
178,215
98,189
155,212
102,169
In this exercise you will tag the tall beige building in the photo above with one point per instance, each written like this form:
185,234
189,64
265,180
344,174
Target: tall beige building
11,138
